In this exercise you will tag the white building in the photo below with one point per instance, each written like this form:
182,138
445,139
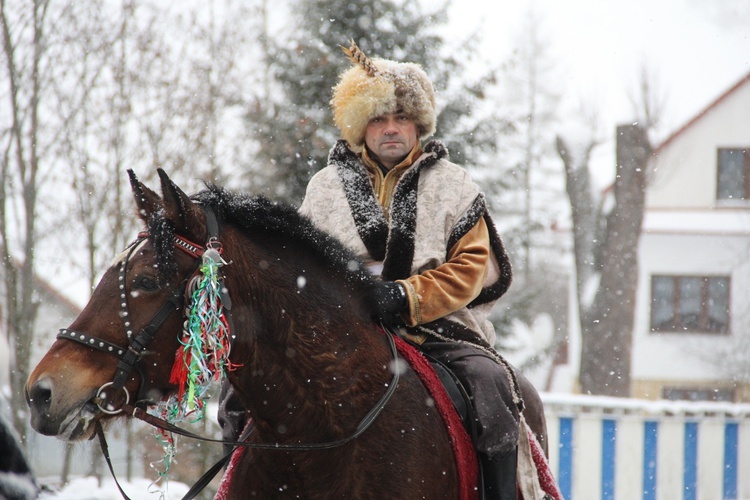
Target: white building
55,311
692,324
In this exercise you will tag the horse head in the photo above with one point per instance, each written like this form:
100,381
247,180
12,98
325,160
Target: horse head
85,376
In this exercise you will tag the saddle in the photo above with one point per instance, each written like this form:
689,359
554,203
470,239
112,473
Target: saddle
457,394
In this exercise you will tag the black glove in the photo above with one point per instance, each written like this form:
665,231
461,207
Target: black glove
388,299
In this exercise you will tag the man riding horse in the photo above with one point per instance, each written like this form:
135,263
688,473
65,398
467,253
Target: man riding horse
420,223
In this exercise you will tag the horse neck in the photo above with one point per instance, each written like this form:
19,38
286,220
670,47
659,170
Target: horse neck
313,363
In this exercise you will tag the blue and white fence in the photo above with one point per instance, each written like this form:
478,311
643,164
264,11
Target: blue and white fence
623,449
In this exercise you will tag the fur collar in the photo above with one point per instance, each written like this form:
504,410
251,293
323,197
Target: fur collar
396,249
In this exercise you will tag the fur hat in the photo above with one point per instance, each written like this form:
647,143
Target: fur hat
374,87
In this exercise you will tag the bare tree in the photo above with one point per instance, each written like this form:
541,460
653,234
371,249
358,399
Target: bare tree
89,89
132,87
160,99
22,161
647,99
606,256
531,197
606,232
531,100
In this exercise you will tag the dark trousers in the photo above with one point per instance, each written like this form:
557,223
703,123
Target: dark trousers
495,415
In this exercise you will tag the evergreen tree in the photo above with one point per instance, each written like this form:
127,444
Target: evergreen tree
294,128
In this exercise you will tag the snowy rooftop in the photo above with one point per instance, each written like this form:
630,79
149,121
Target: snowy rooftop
723,220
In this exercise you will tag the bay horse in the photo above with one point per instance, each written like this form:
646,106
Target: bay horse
309,363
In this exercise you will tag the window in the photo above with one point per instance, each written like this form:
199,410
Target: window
733,174
690,303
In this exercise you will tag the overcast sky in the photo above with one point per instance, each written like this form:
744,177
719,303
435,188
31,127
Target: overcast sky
697,49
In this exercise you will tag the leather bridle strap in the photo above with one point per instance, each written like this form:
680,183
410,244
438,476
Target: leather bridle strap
145,336
105,451
96,343
128,358
194,490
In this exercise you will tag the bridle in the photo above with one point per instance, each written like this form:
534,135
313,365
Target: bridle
129,358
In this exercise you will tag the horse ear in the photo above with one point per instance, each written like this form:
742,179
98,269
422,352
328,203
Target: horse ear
146,200
187,217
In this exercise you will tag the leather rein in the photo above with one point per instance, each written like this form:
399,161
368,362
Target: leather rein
129,357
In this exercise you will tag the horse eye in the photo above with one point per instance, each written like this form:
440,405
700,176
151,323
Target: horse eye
146,283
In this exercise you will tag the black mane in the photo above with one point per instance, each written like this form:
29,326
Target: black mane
254,214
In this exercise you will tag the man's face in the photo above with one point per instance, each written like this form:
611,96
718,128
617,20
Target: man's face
391,137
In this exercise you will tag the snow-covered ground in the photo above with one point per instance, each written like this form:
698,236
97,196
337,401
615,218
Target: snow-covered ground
88,488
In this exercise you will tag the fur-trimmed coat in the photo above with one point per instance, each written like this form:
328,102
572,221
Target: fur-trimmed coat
435,204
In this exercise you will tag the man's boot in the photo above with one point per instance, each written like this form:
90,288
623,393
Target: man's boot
499,476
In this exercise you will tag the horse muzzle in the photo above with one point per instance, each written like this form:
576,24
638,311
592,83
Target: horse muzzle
69,421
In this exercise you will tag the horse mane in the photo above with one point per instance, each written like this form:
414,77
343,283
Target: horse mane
254,214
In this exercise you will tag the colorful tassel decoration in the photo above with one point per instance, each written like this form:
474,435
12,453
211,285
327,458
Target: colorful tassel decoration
203,357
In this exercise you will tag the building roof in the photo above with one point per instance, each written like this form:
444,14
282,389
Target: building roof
61,298
44,286
743,81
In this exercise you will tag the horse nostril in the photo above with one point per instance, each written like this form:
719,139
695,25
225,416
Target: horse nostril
39,396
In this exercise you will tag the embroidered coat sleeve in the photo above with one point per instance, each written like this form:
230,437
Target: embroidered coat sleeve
452,285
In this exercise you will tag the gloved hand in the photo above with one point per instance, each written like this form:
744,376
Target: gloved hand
388,299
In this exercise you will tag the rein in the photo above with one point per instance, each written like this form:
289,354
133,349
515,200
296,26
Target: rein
364,424
130,357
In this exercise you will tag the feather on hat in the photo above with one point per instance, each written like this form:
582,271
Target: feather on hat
373,87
